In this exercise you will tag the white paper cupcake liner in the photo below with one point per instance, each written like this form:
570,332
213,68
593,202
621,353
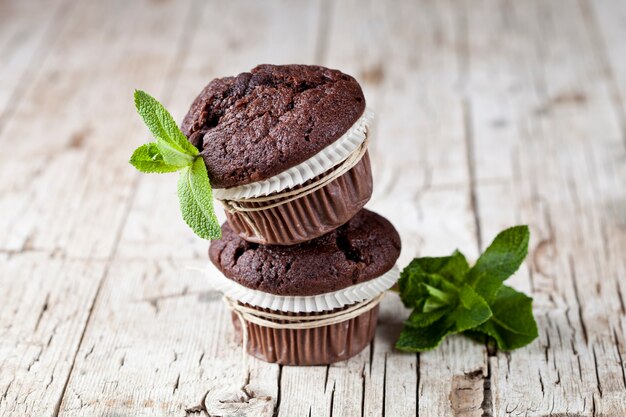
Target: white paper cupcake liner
306,304
319,163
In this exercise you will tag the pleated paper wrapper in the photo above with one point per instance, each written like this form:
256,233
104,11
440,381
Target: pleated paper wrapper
305,347
308,216
316,346
306,304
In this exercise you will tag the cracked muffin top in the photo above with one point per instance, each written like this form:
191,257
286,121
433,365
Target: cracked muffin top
260,123
362,249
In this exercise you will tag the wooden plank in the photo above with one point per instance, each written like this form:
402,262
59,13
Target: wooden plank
82,158
158,342
67,196
405,58
189,321
535,88
489,113
44,309
605,25
27,31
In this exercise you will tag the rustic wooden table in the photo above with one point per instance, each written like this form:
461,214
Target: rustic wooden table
488,113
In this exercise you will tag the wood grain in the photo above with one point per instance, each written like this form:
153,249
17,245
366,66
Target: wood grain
488,113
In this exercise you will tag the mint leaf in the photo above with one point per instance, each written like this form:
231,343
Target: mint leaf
451,268
409,284
448,297
172,156
147,158
512,325
499,261
172,143
413,339
419,318
472,311
425,331
173,152
440,303
196,201
440,296
418,289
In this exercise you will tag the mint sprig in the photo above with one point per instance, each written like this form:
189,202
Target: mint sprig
448,297
196,201
173,152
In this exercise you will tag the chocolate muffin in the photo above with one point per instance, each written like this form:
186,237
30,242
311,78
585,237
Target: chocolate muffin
255,125
285,150
340,276
364,248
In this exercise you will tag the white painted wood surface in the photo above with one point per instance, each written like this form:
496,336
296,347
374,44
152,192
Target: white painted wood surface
488,113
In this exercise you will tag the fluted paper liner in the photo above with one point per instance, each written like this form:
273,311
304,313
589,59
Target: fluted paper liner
318,346
308,216
319,163
309,346
306,304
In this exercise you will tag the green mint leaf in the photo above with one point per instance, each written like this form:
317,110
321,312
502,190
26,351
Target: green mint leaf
196,201
414,339
473,310
419,319
443,297
147,158
409,284
453,267
512,325
417,287
501,259
432,304
172,152
172,155
448,297
172,143
425,330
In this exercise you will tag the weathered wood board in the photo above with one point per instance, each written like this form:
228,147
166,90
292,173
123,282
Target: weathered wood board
488,113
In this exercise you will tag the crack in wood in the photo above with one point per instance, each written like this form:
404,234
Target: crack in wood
417,385
619,355
578,300
469,149
176,384
620,297
34,360
6,391
332,401
363,383
44,308
384,385
597,372
278,395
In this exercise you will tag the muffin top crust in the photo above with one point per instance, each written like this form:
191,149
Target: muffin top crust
260,123
362,249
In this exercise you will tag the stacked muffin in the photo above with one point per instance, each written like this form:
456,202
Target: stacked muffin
304,264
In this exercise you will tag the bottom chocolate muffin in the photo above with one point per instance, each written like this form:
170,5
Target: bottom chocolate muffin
331,285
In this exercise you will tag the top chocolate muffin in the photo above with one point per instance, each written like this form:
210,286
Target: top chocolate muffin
260,123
